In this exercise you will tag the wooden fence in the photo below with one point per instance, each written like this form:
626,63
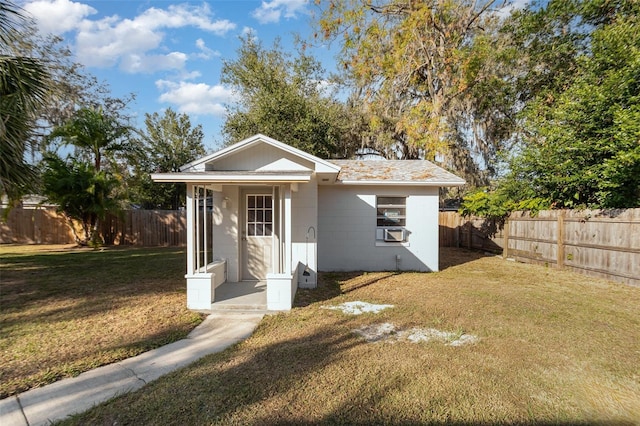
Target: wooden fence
600,243
34,226
146,228
134,227
594,242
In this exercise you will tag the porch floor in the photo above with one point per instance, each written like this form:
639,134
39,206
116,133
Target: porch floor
240,296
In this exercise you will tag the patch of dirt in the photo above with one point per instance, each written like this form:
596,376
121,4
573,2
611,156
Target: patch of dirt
357,308
390,333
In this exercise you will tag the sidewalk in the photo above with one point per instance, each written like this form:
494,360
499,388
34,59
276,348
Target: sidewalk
58,400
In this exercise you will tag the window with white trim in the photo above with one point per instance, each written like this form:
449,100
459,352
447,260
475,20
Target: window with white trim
391,218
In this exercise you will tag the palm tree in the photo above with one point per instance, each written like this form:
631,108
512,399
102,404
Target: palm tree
24,85
82,187
93,133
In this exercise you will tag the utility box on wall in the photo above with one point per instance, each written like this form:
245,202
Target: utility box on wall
307,278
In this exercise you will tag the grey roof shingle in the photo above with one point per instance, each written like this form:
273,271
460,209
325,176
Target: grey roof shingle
387,171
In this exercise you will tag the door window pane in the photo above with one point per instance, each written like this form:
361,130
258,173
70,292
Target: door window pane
259,215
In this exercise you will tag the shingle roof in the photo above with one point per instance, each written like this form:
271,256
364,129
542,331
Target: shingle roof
396,171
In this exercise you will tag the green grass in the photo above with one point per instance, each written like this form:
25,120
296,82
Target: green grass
555,348
66,311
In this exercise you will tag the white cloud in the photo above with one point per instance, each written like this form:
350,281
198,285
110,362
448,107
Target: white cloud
177,16
250,33
506,10
271,11
326,87
58,16
129,43
103,43
148,64
205,52
195,98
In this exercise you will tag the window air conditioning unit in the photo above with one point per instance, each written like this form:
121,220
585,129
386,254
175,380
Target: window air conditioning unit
394,235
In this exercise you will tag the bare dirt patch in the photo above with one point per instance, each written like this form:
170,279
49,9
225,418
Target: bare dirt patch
357,308
387,332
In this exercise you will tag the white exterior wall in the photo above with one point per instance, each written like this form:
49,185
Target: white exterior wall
226,222
304,205
347,229
225,230
258,157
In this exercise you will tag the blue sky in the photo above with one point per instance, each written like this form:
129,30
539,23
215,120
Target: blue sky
169,53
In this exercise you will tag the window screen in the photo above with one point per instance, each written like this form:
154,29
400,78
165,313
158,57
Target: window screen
391,211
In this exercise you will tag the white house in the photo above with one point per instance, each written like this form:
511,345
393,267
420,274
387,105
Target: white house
261,210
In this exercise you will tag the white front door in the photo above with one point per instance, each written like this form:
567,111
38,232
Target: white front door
257,236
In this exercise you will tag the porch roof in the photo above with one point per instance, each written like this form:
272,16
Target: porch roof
234,177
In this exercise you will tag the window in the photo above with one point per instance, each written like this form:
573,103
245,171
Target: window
391,211
259,215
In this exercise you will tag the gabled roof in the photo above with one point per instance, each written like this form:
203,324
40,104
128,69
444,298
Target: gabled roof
280,170
394,172
321,165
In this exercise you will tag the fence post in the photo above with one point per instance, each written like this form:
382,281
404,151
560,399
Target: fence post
560,240
505,244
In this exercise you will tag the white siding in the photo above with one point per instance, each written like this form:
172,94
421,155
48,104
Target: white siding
347,229
304,205
225,230
259,156
226,221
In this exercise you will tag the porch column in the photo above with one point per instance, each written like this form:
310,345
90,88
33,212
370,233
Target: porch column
287,229
191,231
275,258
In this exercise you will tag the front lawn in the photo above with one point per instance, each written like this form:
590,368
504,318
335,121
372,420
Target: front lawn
550,347
64,311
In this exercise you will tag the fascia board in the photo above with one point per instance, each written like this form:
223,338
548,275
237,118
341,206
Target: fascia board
228,178
399,183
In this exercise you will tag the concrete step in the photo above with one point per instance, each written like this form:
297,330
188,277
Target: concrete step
234,307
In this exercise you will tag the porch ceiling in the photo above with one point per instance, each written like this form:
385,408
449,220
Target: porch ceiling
235,177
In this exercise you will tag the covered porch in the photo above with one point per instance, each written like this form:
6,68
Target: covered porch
239,239
252,215
241,296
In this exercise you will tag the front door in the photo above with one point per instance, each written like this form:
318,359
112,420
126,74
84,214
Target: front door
257,236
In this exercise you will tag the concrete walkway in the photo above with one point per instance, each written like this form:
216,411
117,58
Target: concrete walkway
58,400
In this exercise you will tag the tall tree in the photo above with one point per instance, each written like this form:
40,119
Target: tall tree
283,97
89,184
24,86
94,134
578,83
423,71
170,141
582,145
